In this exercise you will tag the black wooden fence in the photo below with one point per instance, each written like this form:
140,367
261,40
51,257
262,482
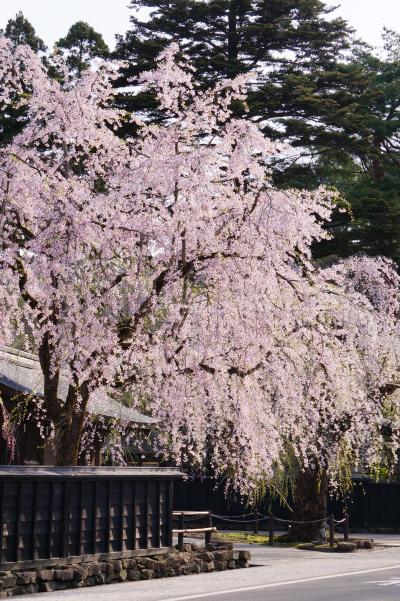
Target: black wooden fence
374,506
62,512
371,506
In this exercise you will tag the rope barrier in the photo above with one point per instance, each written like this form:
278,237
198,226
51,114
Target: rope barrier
340,521
261,517
298,522
226,519
242,515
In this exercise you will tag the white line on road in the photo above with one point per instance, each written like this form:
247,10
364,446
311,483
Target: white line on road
287,583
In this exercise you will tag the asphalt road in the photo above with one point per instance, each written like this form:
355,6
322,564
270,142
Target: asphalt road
277,575
358,587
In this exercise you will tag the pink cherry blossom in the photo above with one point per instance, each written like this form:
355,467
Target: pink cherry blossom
169,265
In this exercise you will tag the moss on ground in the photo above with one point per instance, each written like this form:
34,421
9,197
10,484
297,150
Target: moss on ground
252,539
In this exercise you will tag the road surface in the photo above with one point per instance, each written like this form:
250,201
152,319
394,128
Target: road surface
277,575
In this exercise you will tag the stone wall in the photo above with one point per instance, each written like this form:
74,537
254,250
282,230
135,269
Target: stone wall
192,560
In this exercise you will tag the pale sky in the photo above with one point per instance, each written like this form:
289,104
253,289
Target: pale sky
52,18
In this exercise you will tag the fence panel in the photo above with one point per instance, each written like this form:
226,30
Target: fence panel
66,512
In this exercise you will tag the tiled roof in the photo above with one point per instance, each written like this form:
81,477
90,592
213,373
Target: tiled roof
20,371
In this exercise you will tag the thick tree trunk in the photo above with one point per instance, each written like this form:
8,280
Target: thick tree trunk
310,499
69,426
67,439
68,417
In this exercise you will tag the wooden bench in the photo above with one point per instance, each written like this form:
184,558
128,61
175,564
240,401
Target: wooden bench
182,531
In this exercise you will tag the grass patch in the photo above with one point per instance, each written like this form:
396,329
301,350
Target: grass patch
251,539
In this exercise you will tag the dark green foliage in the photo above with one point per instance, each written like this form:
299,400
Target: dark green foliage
308,92
83,44
20,31
287,41
364,161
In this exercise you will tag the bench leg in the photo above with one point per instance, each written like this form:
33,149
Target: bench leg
207,535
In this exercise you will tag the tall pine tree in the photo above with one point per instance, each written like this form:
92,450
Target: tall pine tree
20,31
82,44
365,165
289,43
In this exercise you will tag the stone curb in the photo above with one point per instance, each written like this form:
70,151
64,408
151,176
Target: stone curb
194,559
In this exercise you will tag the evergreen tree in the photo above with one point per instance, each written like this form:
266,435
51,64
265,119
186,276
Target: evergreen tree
291,43
20,31
365,164
83,44
331,98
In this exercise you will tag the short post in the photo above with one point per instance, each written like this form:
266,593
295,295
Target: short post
271,530
180,534
331,530
208,534
256,523
346,527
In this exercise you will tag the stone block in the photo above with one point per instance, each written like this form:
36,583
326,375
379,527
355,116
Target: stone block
27,589
205,556
117,565
79,573
107,568
186,570
49,587
148,564
211,547
244,555
220,565
225,546
346,547
132,564
93,569
208,566
64,575
173,560
121,576
187,548
221,555
197,547
9,581
162,567
147,574
26,578
133,575
45,575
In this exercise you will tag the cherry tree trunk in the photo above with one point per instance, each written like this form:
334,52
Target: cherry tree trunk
67,441
69,427
310,500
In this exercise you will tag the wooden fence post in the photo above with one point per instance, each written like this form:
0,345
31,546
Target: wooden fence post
346,527
271,530
207,535
180,534
256,524
331,530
